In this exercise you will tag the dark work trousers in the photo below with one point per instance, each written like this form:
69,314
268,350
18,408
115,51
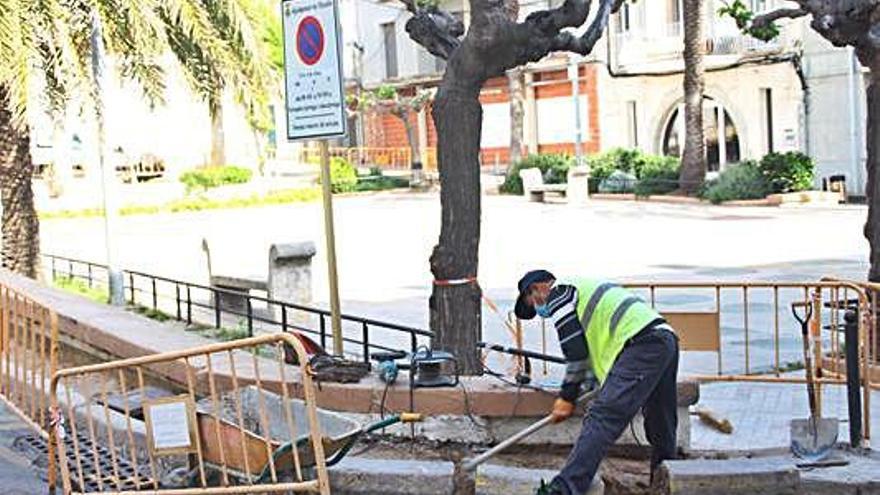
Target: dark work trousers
643,377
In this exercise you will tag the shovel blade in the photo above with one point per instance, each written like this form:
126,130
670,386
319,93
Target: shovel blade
813,440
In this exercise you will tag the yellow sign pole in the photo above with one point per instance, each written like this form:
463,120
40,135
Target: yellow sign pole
336,319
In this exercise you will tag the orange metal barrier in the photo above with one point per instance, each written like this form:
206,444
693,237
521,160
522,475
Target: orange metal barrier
214,437
28,356
759,314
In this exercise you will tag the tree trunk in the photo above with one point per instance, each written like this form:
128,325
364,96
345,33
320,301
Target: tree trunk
693,160
416,157
218,138
872,185
20,225
872,188
456,307
517,115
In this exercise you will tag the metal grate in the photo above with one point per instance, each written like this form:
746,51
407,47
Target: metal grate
35,447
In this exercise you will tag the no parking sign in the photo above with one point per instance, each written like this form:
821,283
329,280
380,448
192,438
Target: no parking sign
313,75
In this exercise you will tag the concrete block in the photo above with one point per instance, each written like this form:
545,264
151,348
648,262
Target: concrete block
493,479
759,476
290,277
357,475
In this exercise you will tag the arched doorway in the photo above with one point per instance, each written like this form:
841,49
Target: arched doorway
716,122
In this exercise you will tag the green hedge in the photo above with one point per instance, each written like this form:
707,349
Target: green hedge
210,177
375,181
788,172
743,181
345,178
654,174
554,169
657,175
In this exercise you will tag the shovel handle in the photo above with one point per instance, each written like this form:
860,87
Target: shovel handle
808,313
808,360
537,425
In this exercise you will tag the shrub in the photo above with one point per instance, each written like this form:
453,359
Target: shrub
554,169
604,164
380,183
743,181
788,172
209,177
657,175
343,176
618,182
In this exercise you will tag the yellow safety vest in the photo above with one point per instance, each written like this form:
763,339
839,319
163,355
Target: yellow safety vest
610,316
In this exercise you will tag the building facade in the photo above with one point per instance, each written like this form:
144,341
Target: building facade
796,92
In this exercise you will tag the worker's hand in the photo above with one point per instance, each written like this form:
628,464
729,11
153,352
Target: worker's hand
562,410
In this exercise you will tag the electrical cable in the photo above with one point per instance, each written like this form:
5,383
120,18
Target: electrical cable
467,405
382,402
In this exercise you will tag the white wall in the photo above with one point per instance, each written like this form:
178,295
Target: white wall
837,121
738,90
556,119
496,126
371,15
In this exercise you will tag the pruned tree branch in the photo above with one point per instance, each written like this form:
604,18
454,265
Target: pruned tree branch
584,44
764,20
435,29
572,13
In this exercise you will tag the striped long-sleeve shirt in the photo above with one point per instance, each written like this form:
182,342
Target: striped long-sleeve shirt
562,305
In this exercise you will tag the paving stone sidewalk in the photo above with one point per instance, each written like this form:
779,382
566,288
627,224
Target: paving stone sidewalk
761,412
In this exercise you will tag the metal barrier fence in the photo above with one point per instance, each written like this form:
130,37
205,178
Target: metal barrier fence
745,332
236,428
384,158
201,304
398,158
28,356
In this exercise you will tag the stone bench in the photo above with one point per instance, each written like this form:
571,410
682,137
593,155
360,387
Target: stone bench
235,288
534,187
576,190
289,278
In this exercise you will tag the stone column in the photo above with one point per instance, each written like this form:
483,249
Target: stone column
578,192
290,277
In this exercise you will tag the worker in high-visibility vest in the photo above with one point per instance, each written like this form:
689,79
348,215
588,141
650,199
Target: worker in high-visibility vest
610,335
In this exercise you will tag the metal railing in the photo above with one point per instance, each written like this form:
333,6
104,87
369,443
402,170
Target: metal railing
239,426
194,303
28,356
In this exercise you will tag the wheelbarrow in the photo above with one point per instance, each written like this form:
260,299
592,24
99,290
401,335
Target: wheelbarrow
245,452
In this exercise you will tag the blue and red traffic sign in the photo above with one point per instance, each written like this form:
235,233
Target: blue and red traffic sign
313,75
310,40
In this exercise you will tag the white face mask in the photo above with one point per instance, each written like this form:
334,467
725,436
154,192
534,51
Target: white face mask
543,311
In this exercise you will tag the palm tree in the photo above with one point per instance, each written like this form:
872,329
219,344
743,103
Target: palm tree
693,159
47,41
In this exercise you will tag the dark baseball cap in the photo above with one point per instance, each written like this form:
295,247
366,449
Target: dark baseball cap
524,310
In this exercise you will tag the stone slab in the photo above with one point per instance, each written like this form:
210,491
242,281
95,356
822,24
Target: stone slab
860,477
758,476
357,475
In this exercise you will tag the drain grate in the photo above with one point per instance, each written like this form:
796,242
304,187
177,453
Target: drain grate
35,447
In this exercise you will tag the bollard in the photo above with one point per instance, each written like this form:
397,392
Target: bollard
853,390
